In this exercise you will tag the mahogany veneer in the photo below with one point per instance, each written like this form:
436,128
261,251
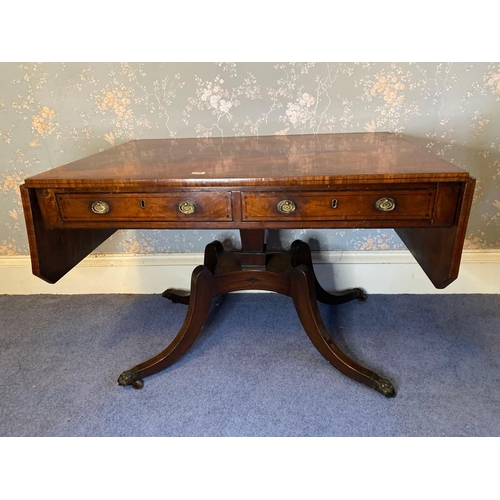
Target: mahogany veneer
252,184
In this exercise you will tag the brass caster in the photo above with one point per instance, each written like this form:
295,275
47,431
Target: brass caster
168,294
129,377
177,296
385,387
138,384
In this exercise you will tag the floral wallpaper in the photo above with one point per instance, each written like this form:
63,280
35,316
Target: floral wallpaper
54,113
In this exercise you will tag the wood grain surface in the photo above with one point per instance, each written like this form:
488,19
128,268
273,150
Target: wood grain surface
247,161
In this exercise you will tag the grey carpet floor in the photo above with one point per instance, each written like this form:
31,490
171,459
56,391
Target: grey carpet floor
253,371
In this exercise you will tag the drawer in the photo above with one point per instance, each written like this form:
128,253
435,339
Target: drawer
342,205
192,206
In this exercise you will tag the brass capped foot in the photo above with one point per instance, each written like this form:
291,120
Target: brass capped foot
177,296
361,295
130,377
385,387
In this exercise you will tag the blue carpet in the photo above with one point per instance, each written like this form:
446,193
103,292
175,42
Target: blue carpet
253,371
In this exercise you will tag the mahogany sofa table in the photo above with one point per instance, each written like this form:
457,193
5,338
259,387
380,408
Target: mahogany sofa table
250,184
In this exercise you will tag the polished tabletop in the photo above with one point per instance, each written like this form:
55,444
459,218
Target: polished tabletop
266,160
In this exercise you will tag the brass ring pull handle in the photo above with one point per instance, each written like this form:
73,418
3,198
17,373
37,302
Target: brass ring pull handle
100,207
385,204
286,207
187,207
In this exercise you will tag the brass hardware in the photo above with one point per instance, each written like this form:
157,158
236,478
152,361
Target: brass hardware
286,207
385,204
385,387
100,207
334,203
187,207
143,204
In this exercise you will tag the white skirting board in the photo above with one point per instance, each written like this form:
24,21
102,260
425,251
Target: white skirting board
377,272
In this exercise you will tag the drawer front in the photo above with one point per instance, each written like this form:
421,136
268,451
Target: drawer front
175,207
344,205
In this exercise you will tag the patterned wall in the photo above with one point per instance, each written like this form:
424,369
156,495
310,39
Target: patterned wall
54,113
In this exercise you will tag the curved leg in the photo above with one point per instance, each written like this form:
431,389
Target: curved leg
304,298
301,254
212,251
199,307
